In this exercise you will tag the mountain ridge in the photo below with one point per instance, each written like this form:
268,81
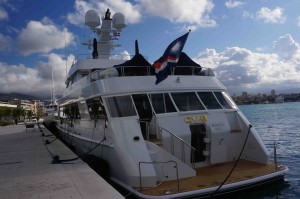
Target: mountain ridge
11,96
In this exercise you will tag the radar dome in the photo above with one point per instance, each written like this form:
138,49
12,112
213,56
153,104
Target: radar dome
119,21
92,19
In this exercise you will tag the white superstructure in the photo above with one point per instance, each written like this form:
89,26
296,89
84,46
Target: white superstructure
148,134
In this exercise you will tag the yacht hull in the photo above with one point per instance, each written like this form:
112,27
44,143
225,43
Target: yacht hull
82,146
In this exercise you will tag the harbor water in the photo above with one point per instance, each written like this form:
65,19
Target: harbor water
280,124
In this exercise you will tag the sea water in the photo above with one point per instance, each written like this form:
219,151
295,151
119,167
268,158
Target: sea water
279,124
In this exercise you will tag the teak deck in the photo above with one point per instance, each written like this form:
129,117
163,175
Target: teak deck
213,176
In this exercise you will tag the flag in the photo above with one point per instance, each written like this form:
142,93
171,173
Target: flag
115,36
169,58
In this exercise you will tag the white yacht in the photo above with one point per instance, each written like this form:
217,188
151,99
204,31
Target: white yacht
51,110
183,137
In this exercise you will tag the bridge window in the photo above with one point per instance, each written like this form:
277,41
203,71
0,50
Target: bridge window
187,101
120,106
225,100
209,100
72,111
162,103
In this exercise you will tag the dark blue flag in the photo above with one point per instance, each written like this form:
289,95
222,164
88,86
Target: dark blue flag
169,58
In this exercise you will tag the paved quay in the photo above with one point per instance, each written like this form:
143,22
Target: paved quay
26,170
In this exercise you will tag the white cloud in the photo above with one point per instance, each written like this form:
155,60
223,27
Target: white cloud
124,55
5,7
233,4
247,14
43,36
3,14
35,81
5,43
260,49
241,68
194,13
286,47
191,11
271,16
130,11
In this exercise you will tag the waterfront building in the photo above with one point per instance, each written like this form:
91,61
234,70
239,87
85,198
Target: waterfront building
273,93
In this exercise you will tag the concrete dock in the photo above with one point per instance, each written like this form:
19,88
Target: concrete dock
26,170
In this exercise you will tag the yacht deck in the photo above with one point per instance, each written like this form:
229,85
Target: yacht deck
213,176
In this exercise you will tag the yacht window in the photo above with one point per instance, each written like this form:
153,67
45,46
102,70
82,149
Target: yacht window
72,111
187,101
162,103
225,100
83,109
209,100
143,106
120,106
96,108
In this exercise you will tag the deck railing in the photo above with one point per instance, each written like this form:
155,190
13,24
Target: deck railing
109,56
158,132
149,70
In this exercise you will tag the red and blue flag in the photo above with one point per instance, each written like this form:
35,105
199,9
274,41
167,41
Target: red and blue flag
169,58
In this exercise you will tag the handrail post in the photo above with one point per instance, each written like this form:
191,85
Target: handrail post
182,152
172,137
148,131
275,155
172,144
177,176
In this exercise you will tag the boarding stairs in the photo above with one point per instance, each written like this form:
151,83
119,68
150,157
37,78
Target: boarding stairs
169,142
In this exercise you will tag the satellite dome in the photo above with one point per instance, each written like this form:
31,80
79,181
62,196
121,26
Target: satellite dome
119,21
92,19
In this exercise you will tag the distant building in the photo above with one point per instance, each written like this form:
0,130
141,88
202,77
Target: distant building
273,93
5,104
22,104
38,108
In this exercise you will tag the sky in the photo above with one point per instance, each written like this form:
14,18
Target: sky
253,45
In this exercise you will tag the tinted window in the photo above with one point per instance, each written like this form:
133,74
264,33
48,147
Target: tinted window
187,101
225,100
209,100
72,111
143,106
83,109
96,108
162,103
120,106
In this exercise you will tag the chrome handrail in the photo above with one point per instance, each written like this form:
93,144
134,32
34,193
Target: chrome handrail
172,137
111,56
275,156
148,69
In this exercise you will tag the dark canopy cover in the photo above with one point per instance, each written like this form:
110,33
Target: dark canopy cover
185,65
136,60
138,65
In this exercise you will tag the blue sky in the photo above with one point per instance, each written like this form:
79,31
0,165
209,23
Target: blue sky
252,45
